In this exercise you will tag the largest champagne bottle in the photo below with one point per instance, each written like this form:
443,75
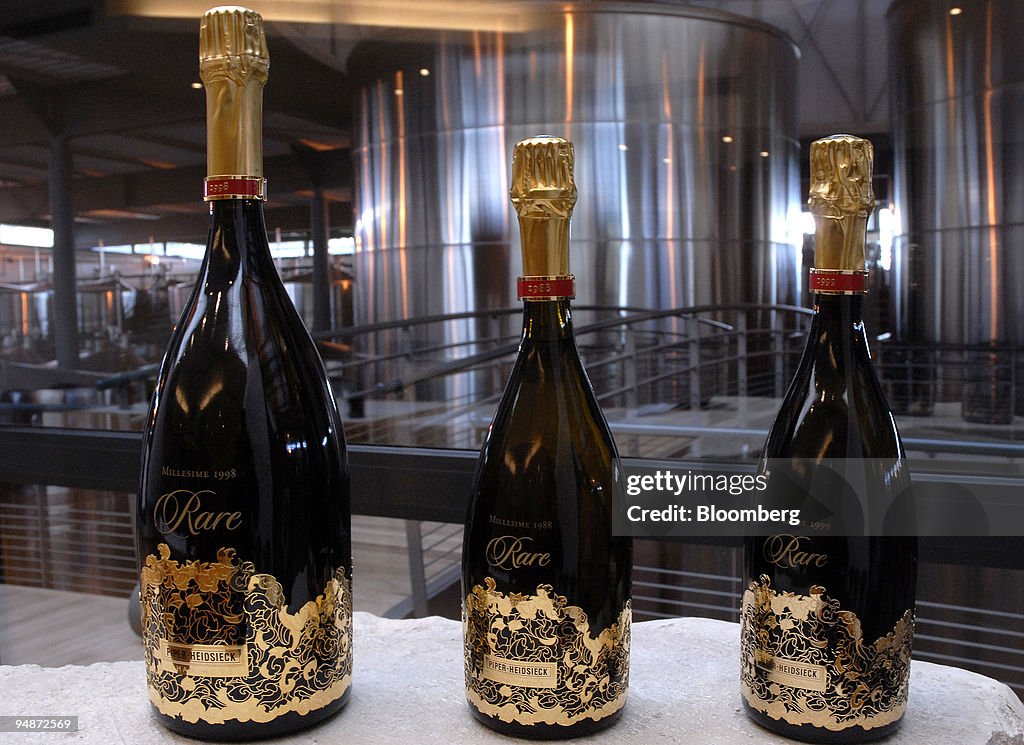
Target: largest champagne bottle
827,619
546,584
243,512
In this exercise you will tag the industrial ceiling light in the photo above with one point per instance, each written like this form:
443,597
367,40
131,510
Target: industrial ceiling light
470,15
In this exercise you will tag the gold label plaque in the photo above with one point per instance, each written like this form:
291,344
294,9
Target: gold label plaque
793,674
516,673
203,660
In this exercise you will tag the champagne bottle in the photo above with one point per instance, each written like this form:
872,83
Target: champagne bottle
243,519
546,585
827,620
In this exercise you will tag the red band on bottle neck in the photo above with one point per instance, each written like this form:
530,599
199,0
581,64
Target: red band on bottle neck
234,187
546,288
838,281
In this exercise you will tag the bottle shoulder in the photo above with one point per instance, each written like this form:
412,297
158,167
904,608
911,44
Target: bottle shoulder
835,408
249,317
549,396
239,351
548,451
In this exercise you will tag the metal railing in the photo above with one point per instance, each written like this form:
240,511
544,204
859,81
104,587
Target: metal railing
694,339
682,357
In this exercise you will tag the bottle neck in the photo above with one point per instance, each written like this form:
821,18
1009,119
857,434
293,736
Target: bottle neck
545,245
234,185
234,119
838,278
837,311
839,241
546,321
234,139
237,241
837,343
546,287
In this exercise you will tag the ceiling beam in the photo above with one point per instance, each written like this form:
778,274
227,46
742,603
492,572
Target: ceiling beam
177,143
107,107
193,227
24,170
180,186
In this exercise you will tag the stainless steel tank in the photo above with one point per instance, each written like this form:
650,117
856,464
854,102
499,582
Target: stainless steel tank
686,159
958,102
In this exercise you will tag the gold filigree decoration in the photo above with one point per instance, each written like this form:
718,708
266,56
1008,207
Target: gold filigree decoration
861,685
543,629
297,662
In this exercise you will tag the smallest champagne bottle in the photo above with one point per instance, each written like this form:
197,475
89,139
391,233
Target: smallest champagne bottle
546,584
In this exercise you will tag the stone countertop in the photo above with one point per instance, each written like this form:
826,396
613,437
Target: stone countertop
408,688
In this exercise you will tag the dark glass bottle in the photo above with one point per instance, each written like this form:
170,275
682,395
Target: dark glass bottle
827,619
546,584
243,519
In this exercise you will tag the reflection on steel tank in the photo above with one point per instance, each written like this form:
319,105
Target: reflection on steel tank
686,160
958,99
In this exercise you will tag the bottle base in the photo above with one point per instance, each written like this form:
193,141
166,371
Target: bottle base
236,731
546,731
819,735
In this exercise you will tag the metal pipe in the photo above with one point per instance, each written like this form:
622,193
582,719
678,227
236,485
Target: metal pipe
62,218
